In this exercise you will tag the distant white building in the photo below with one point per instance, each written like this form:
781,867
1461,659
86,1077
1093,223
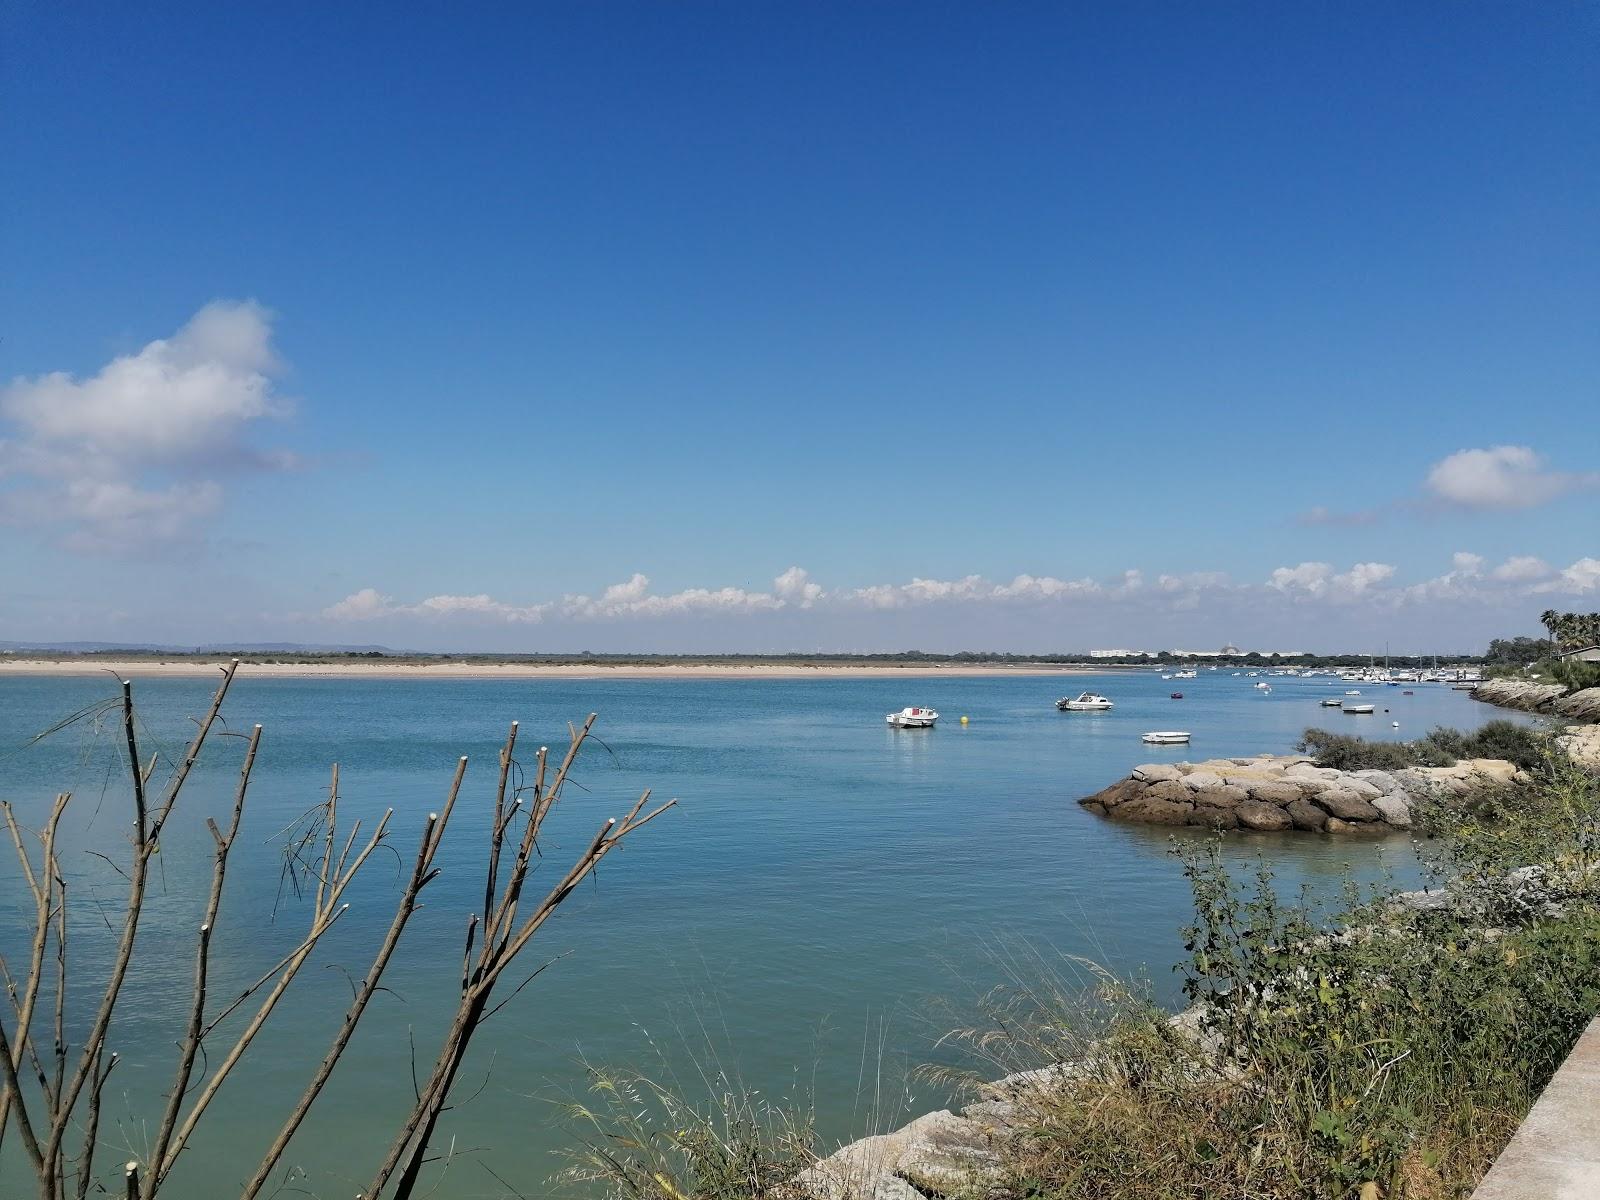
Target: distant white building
1582,654
1120,654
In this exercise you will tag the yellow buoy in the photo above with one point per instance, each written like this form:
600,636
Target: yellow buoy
963,720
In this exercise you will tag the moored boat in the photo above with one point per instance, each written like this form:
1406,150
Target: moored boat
1359,709
1166,737
913,718
1333,702
1086,702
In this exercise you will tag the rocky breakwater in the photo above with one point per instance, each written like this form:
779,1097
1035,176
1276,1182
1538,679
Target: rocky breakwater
1549,698
1267,793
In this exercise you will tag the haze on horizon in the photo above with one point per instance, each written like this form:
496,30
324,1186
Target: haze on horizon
706,328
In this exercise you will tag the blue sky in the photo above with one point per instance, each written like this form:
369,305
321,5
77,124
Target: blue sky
514,306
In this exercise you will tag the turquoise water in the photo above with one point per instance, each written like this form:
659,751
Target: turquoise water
824,884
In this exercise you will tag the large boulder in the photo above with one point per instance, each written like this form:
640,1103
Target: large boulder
1255,814
1221,796
1382,780
1168,789
1306,770
1149,810
1157,773
1207,817
1347,805
1354,783
1117,793
1306,815
1395,809
1275,793
1198,780
947,1155
1310,785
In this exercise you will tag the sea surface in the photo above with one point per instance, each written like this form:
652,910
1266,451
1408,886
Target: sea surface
828,898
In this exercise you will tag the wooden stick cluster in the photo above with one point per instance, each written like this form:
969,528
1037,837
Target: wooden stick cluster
62,1092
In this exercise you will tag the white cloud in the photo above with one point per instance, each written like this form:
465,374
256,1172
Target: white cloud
121,460
364,605
1467,563
1581,578
1521,568
795,586
1319,581
1502,477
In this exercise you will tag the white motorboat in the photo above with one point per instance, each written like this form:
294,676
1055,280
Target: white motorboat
1354,692
1167,737
913,718
1186,675
1265,687
1333,702
1087,702
1359,709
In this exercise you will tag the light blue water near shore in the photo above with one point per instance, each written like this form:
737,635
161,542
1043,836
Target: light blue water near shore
823,883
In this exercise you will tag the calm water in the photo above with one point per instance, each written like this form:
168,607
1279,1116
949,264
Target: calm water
825,881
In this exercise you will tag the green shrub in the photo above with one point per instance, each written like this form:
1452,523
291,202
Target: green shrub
1523,745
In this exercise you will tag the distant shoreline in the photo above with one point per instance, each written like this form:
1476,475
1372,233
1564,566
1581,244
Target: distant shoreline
467,669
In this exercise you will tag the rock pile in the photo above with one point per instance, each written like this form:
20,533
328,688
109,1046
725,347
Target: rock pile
1267,792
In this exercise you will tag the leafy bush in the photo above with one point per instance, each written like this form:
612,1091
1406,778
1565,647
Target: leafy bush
1523,745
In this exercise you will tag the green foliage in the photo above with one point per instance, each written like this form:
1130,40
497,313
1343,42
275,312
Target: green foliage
1523,745
1574,675
1570,631
1518,651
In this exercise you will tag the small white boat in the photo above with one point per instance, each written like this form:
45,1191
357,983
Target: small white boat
1355,692
1359,709
1087,702
1332,702
1186,675
1265,687
913,718
1167,737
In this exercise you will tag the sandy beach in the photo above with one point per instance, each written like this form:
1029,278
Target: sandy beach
467,669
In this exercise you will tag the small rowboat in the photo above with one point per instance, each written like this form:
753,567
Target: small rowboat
1177,695
1167,737
1332,702
1359,710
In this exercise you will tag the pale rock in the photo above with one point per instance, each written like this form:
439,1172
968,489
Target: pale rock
1386,783
1396,809
1306,815
1254,814
1347,806
1198,780
1274,793
1157,773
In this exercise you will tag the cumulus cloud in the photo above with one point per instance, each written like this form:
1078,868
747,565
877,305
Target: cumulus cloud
795,586
1502,477
1582,578
122,459
1319,580
1521,568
